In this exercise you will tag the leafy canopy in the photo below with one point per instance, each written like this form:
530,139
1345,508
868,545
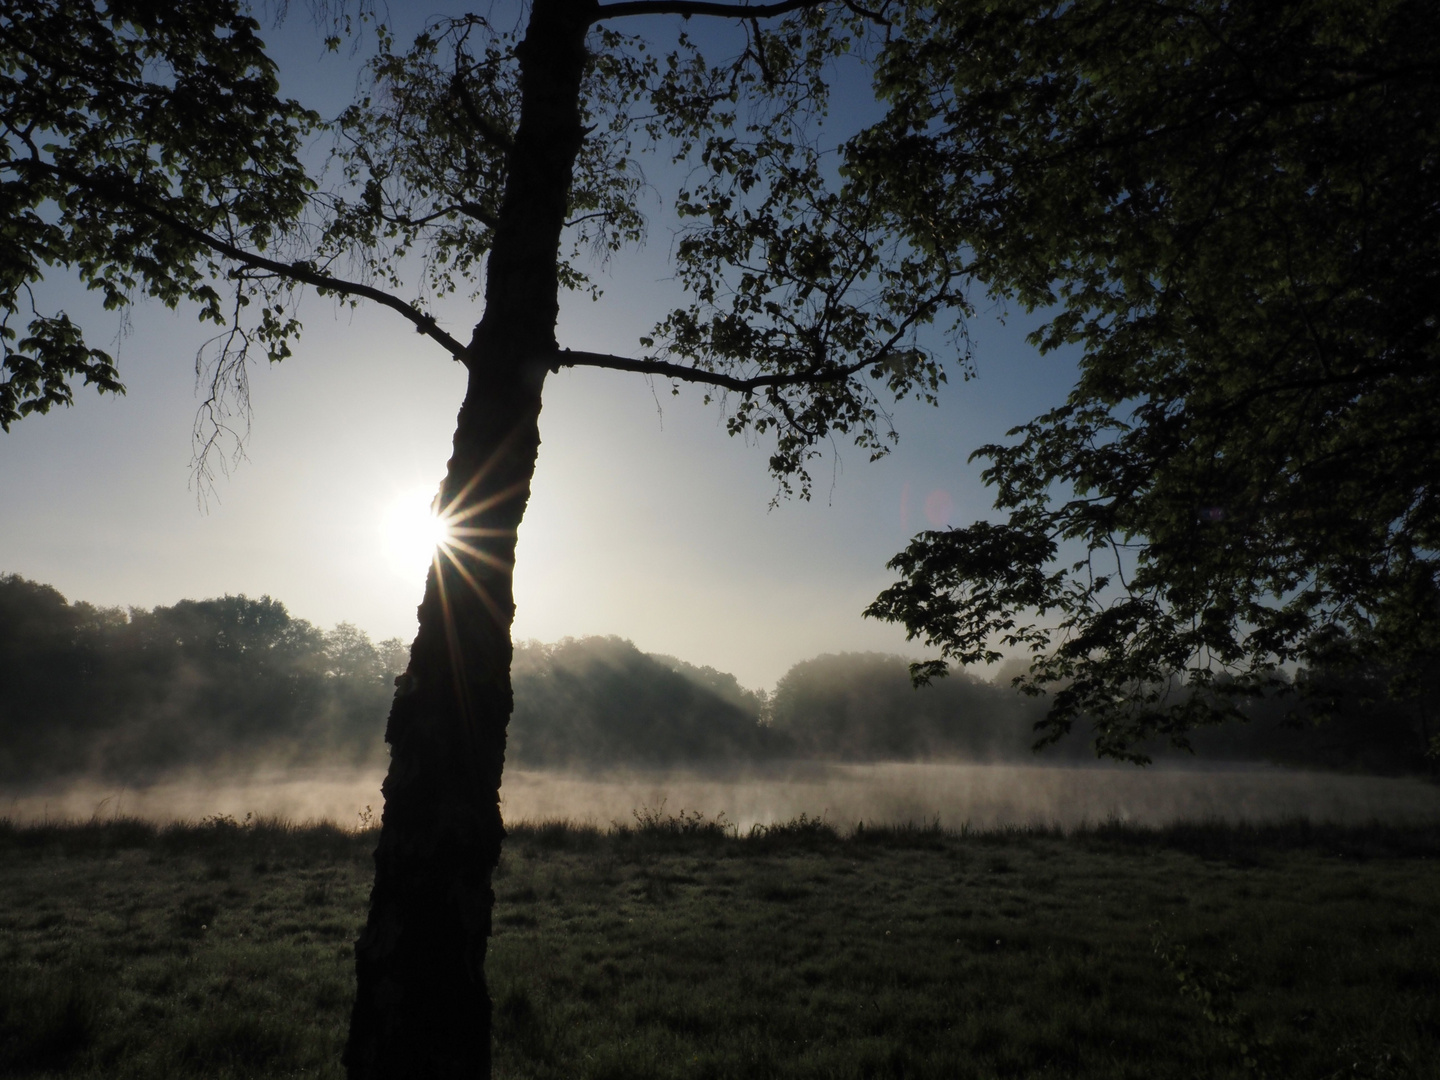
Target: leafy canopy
806,306
804,300
140,140
1232,208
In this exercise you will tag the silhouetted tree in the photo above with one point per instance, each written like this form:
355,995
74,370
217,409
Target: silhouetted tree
1370,716
862,706
1233,208
601,701
727,686
131,695
155,134
52,656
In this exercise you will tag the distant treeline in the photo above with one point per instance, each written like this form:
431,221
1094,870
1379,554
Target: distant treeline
602,701
130,694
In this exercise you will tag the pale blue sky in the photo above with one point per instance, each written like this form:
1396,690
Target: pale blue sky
646,520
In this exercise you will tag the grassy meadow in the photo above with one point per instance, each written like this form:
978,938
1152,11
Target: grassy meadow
675,948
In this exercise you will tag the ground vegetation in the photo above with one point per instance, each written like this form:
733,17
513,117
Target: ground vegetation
670,947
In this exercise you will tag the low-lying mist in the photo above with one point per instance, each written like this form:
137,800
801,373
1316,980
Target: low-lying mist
230,706
955,795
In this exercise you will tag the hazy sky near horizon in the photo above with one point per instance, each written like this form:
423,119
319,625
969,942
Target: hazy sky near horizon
646,519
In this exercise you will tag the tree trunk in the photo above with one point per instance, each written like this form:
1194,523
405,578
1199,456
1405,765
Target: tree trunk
422,1009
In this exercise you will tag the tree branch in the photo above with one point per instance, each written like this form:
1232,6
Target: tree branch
701,7
472,210
293,271
488,128
685,373
303,272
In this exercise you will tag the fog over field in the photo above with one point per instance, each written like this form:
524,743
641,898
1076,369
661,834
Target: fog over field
981,796
230,706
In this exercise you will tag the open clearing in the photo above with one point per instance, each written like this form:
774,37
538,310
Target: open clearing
674,948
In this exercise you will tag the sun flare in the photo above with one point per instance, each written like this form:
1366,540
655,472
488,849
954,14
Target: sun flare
411,531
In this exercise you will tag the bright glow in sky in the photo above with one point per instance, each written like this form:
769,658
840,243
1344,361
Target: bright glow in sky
646,520
410,532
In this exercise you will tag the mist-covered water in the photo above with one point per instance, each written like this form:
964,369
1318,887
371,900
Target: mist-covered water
981,796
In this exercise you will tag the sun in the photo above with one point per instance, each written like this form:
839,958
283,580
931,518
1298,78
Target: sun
410,532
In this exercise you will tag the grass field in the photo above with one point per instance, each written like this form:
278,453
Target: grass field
674,948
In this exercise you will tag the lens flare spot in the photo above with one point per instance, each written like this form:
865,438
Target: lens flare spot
410,532
938,508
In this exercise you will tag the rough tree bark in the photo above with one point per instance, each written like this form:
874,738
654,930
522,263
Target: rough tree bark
422,1009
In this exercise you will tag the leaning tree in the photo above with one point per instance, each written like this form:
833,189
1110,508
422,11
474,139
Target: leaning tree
146,151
